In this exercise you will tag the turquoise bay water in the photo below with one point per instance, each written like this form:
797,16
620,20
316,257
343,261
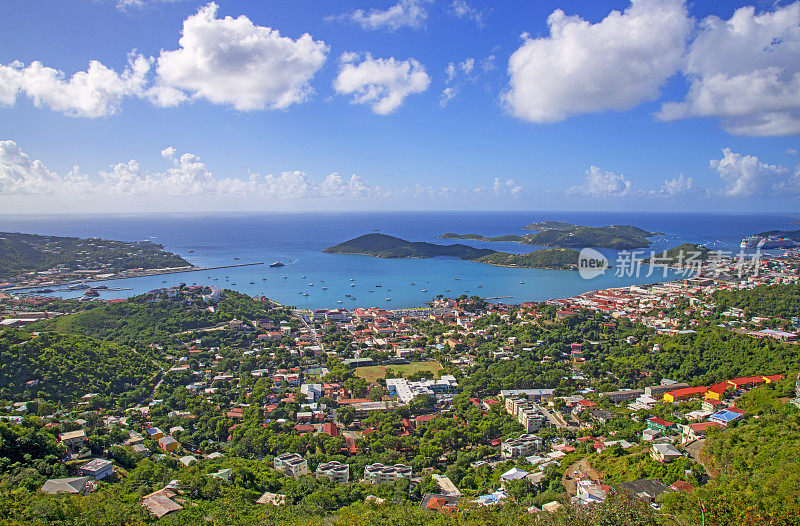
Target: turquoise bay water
298,240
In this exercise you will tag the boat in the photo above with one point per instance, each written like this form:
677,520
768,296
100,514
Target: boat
424,290
191,251
164,281
372,291
352,279
347,295
458,279
521,282
252,282
234,283
284,277
276,264
338,301
263,279
310,284
303,276
378,285
749,242
480,286
388,299
412,283
447,290
236,259
305,294
352,284
324,288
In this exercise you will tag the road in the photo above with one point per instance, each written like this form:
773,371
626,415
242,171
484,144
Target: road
299,315
580,470
695,449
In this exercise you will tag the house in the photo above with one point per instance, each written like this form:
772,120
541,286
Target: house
446,485
275,499
223,474
379,474
330,429
717,391
333,471
512,475
725,416
97,469
154,433
187,460
66,485
662,426
665,452
73,439
169,444
440,502
646,489
291,465
710,404
160,503
692,432
600,416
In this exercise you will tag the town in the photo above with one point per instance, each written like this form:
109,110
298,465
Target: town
461,406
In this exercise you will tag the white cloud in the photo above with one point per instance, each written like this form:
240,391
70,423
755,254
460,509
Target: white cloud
21,175
406,13
747,176
602,184
448,94
507,188
126,5
746,71
612,65
791,151
95,92
168,152
462,9
679,186
457,76
381,83
235,62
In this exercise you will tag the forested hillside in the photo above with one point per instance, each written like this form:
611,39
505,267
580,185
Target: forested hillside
62,368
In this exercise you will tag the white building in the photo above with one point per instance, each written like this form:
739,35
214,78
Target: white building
406,391
334,471
291,465
379,474
518,447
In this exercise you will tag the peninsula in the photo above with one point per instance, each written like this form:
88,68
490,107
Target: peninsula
566,235
385,246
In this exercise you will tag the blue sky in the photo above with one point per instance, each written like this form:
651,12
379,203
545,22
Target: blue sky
399,104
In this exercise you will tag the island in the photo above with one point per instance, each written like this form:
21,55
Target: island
566,235
386,246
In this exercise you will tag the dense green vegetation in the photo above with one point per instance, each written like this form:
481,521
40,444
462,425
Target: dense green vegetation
782,301
550,258
565,235
685,254
155,316
757,461
384,246
20,253
67,367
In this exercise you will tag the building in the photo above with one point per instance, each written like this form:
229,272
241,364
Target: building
291,465
160,503
67,485
73,439
440,502
692,432
717,391
97,469
622,396
333,471
446,485
529,414
665,452
520,446
379,474
169,444
662,426
406,391
647,489
656,391
154,433
684,393
725,417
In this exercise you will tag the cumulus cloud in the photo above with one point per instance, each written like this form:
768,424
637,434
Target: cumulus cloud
746,71
95,92
406,13
383,84
748,176
235,62
612,65
168,152
463,10
126,5
676,187
602,184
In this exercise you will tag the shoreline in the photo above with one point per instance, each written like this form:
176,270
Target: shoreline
154,272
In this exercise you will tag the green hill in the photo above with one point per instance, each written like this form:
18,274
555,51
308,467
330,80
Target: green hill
385,246
67,367
153,316
21,253
565,235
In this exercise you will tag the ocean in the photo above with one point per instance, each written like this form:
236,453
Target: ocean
298,240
